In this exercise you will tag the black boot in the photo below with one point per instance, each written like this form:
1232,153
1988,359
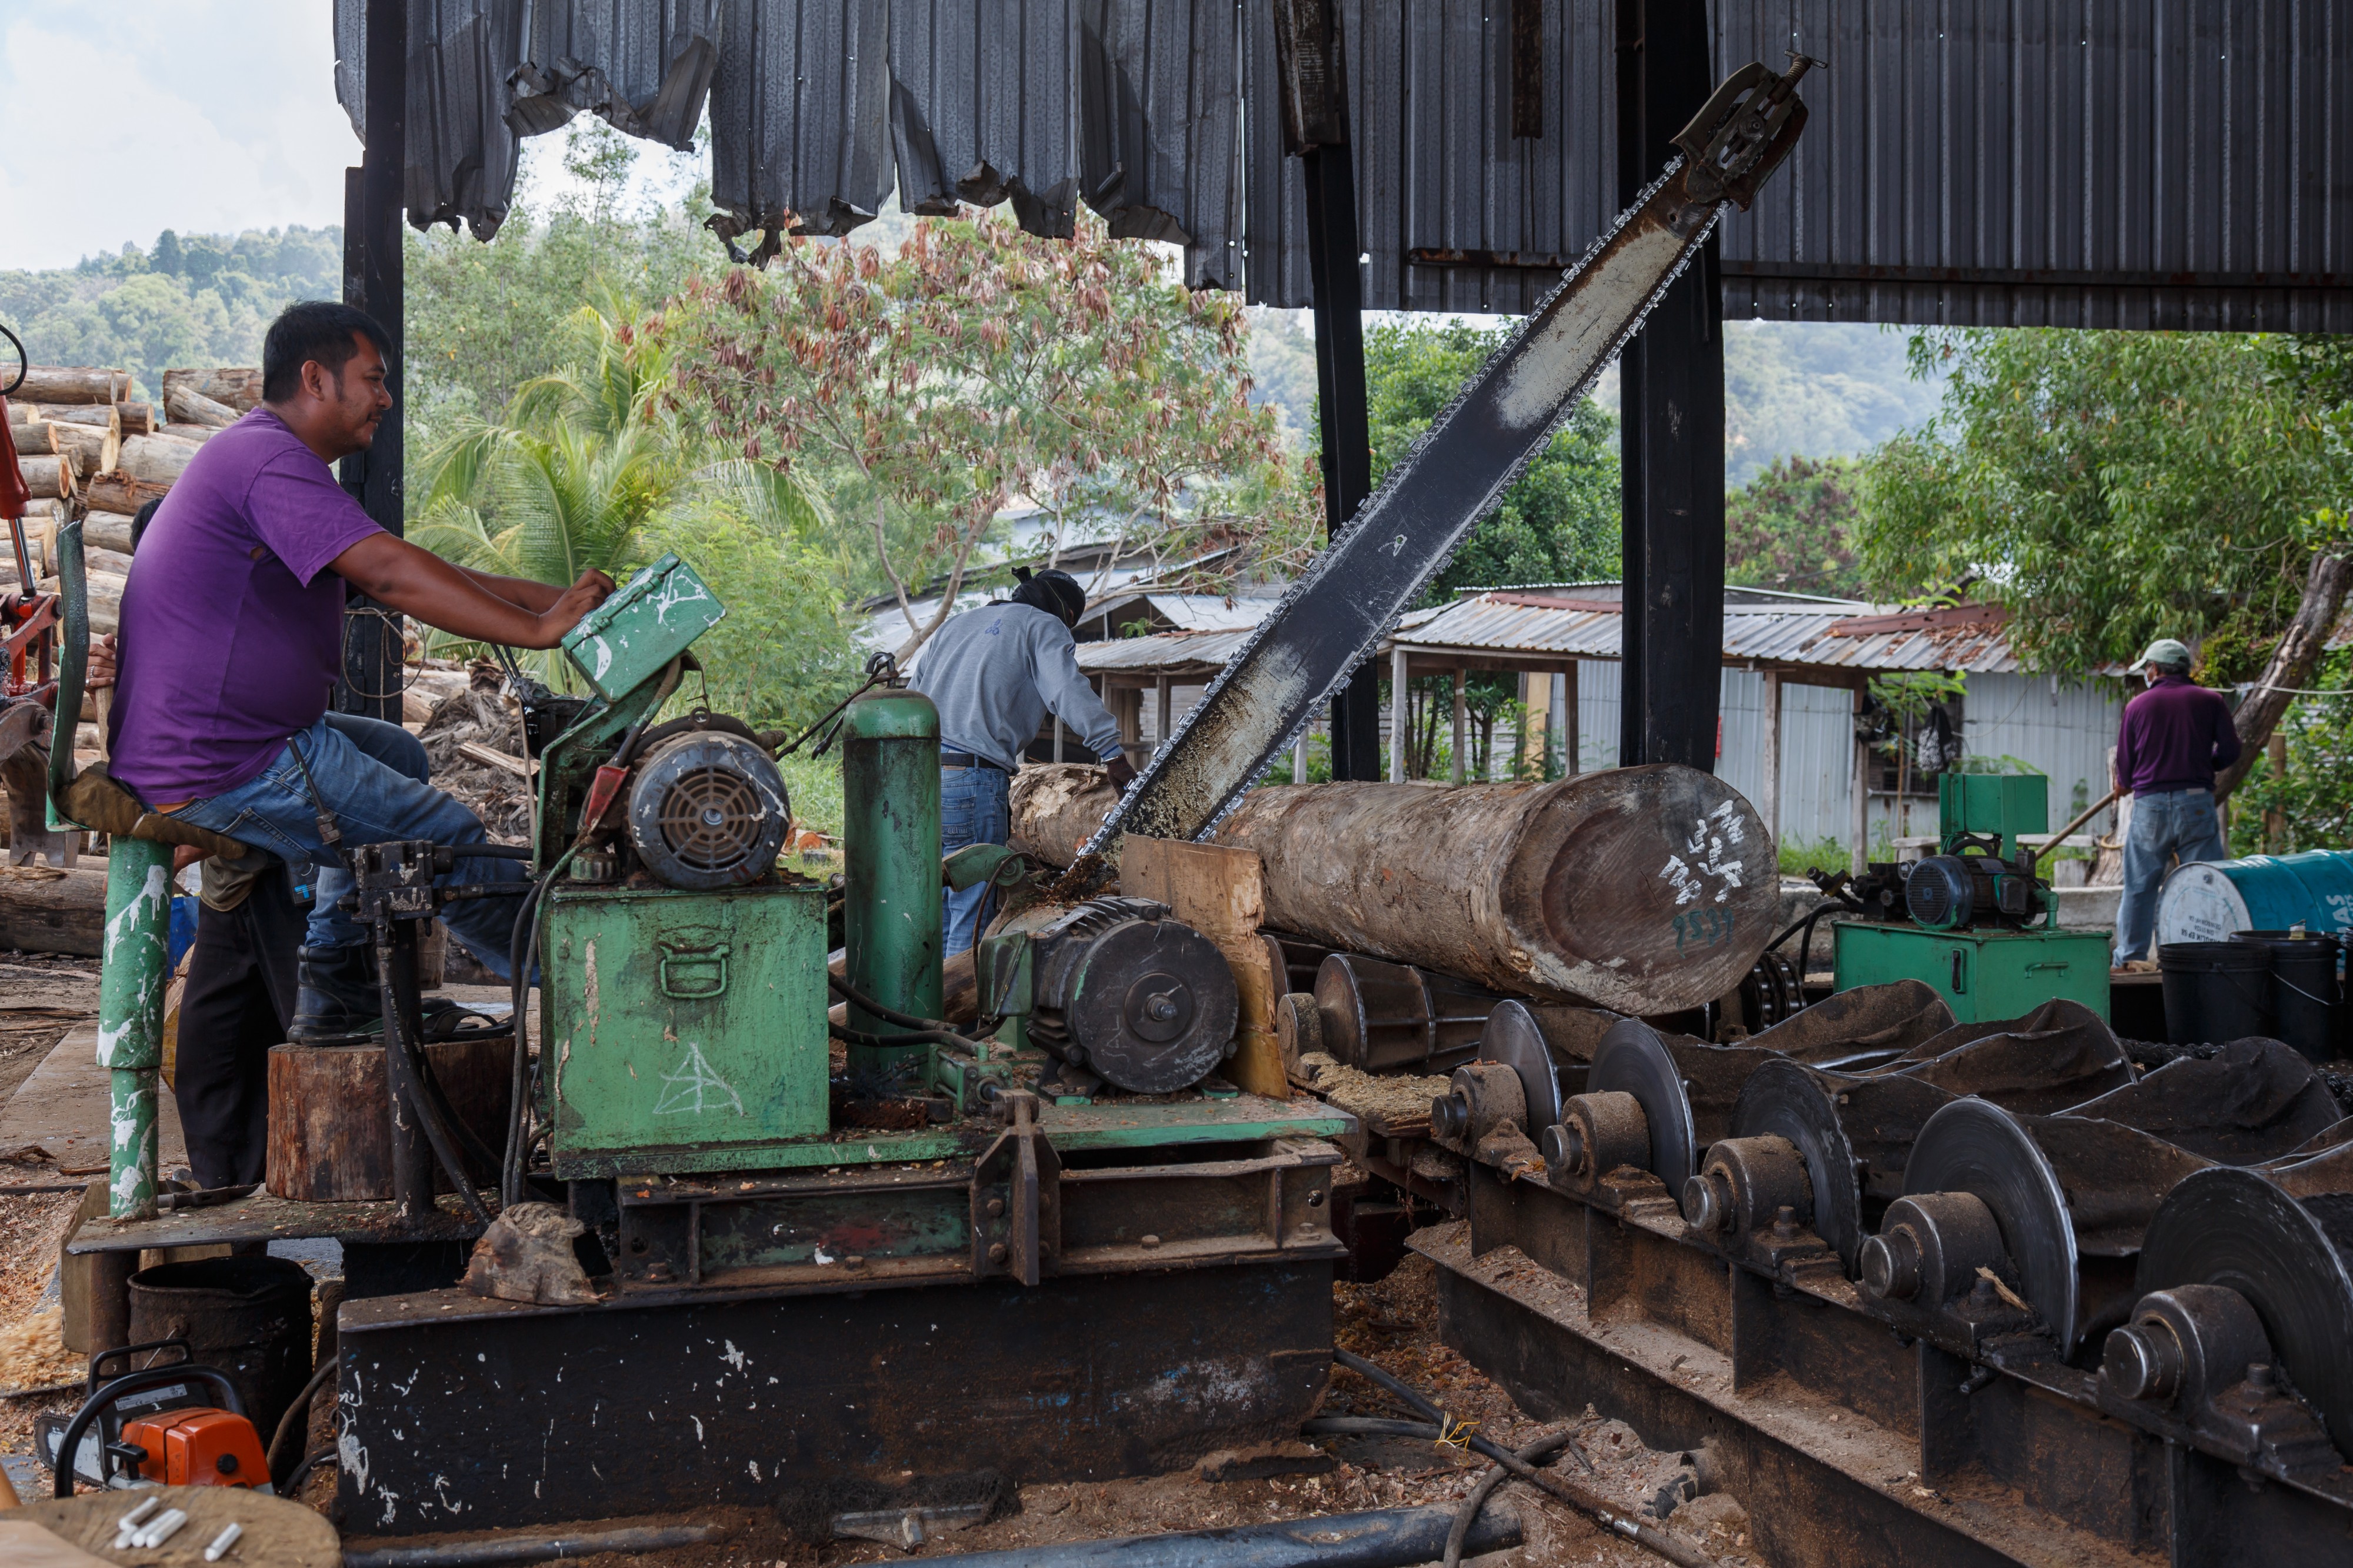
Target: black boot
337,1000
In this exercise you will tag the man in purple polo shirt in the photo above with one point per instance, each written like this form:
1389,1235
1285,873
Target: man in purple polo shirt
2175,736
232,635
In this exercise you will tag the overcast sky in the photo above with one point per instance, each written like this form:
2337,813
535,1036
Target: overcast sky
205,116
199,115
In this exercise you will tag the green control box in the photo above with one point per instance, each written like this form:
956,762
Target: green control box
648,621
1992,803
684,1031
1982,974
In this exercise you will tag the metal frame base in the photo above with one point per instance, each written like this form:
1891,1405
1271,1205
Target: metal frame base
465,1414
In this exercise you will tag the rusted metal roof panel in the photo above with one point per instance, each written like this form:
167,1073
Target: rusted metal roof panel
984,108
1504,624
644,66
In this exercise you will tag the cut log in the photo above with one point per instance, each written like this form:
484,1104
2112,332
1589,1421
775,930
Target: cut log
33,439
47,476
199,434
101,563
105,595
136,419
186,404
330,1138
62,914
106,531
102,415
95,450
1221,893
1056,807
157,459
1644,890
73,384
238,387
118,492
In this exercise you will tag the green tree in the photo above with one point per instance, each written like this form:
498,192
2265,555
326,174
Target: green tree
929,388
2112,488
1792,527
1558,521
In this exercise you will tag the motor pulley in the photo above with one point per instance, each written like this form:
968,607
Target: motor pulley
707,809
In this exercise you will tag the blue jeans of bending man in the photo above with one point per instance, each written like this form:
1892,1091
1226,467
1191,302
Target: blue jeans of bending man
376,788
2181,822
973,809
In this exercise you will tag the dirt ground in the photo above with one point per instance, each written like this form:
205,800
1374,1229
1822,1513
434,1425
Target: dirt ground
42,996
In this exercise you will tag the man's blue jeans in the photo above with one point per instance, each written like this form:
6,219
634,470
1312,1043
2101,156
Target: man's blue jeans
2179,822
973,810
373,800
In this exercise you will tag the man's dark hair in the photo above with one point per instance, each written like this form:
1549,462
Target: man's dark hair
311,330
146,515
1056,593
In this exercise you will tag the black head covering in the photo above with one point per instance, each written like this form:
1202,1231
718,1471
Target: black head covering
1056,593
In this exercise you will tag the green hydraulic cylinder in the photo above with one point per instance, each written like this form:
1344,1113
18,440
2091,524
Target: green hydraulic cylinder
133,974
891,847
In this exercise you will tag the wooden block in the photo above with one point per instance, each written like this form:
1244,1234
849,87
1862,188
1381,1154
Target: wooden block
1218,891
1221,893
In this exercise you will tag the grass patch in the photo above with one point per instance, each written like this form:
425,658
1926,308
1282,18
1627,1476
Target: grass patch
1800,856
815,786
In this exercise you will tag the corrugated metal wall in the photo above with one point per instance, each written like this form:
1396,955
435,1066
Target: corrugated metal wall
2064,729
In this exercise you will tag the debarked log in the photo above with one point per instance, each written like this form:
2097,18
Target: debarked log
1641,889
1055,807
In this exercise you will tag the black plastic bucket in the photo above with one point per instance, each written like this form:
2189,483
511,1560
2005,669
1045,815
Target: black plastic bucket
2308,1000
2215,990
249,1317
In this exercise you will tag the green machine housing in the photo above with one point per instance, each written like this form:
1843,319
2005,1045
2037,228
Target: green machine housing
1984,929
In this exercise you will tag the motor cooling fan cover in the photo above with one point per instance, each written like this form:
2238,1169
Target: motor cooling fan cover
708,810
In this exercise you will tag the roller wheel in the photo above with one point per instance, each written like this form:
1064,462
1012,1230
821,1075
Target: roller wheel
1795,1102
1513,1037
1975,1146
1633,1059
2230,1226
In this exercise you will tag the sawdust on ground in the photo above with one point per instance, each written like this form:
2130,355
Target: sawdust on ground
31,1353
1390,1097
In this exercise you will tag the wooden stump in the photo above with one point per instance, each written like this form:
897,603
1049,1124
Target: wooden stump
330,1114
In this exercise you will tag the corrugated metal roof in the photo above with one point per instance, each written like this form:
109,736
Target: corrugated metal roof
1508,623
2084,163
2068,163
1171,651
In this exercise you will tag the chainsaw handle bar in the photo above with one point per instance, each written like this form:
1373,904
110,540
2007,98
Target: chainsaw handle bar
130,1383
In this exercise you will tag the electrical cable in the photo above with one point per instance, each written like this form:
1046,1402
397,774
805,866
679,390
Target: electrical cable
292,1422
857,998
1582,1499
523,949
302,1471
850,1036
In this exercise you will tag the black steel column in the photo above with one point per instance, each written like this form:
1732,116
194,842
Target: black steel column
373,280
1344,421
1671,433
1313,70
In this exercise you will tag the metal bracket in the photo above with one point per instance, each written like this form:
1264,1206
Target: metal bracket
1016,1199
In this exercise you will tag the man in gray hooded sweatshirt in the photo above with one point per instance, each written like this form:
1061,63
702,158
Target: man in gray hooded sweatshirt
994,672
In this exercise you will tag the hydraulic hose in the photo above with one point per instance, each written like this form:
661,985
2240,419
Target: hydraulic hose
523,951
924,1028
405,1066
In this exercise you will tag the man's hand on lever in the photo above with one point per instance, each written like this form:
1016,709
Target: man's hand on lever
1122,771
101,673
474,606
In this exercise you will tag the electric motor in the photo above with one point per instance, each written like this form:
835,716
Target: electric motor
707,810
1954,892
1144,1001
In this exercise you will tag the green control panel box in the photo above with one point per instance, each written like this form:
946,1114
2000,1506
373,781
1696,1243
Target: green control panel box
685,1031
1982,974
648,621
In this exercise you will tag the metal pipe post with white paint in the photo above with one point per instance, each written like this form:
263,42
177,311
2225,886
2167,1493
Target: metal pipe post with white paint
131,1015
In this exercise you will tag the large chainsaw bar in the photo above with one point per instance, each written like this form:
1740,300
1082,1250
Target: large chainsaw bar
1407,530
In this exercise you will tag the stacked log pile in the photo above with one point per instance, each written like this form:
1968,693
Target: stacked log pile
87,450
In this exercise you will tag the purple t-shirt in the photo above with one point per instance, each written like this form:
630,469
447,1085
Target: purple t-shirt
231,627
2175,735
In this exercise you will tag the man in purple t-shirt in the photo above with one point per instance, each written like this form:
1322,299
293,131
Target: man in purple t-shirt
2175,736
232,629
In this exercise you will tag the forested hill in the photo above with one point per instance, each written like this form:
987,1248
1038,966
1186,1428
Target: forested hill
187,300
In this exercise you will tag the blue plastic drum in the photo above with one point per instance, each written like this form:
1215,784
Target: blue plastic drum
2207,900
